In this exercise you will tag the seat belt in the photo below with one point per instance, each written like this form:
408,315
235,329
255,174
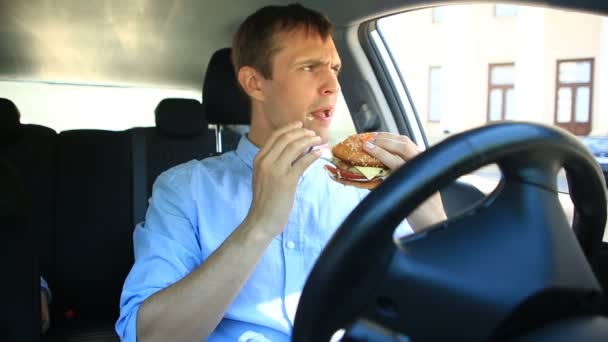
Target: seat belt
139,175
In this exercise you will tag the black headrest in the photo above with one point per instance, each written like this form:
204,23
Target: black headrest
180,117
10,126
223,101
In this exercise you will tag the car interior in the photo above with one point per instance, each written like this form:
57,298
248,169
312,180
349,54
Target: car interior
508,264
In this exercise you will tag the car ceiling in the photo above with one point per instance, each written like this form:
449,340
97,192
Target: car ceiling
157,43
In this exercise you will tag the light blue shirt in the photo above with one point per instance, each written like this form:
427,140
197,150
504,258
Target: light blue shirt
195,206
44,286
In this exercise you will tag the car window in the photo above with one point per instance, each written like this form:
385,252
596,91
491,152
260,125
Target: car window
468,65
64,106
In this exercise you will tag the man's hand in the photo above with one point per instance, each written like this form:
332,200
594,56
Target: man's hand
393,151
44,309
276,171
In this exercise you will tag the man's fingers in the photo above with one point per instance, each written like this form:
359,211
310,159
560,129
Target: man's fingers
287,141
396,137
392,161
275,145
393,136
303,163
406,149
293,151
297,148
277,134
391,149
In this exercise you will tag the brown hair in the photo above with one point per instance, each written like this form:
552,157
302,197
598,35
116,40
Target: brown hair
254,45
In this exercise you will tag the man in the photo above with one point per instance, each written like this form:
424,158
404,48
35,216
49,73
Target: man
228,242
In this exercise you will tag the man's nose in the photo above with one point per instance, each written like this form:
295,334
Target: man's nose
330,85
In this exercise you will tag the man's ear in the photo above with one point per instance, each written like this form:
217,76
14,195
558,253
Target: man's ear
252,82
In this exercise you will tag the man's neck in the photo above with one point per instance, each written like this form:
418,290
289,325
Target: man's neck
260,129
257,139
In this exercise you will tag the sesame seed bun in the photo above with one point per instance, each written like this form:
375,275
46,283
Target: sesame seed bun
351,151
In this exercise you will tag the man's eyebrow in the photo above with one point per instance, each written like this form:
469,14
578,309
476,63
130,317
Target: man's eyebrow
317,61
311,61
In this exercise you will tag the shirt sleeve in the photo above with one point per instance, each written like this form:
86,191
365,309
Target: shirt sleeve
165,246
403,229
45,287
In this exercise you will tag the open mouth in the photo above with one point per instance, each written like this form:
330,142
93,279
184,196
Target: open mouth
322,114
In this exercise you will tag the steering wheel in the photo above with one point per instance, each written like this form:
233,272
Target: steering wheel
499,270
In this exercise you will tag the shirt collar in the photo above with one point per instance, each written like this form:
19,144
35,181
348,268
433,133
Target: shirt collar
247,151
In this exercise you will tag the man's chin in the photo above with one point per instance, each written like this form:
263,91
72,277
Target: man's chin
323,132
324,137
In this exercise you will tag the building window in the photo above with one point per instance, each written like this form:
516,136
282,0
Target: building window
500,91
574,94
434,114
505,11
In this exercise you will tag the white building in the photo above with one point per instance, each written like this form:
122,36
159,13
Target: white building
472,64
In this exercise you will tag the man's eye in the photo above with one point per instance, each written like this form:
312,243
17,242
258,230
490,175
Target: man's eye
307,68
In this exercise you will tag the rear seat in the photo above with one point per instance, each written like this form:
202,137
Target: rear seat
181,134
103,180
84,186
31,151
94,229
20,286
224,103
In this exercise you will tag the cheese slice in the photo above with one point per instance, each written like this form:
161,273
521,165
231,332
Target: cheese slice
370,172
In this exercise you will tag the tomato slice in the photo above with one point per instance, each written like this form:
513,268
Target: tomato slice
346,175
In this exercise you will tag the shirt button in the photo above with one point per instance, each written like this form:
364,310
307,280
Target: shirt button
291,245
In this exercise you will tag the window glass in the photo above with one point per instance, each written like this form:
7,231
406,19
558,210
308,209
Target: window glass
574,72
502,74
555,60
81,106
575,75
500,89
564,105
509,104
439,14
502,10
582,104
495,105
434,94
542,67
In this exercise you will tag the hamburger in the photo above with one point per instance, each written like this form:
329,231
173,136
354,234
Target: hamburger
352,165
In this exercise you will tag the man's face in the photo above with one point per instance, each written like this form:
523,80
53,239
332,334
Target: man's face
304,84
